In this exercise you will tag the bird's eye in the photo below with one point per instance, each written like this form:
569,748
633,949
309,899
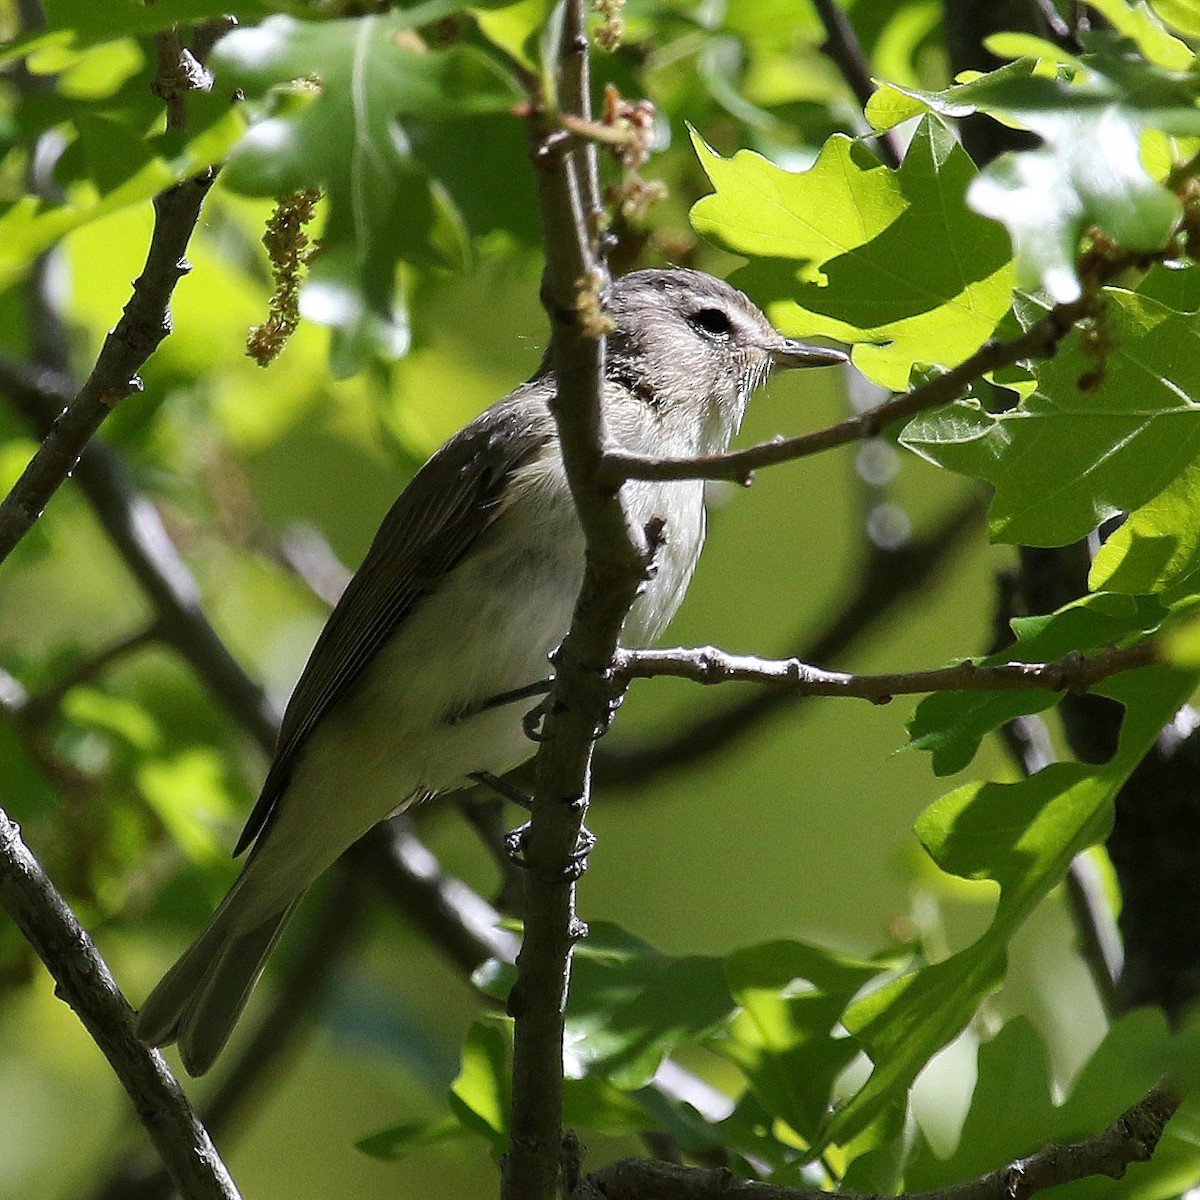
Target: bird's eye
712,321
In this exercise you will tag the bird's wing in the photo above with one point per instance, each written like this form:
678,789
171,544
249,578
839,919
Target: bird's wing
435,521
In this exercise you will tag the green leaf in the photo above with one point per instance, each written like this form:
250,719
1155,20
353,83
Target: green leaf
1179,14
75,24
481,1095
341,95
847,198
1089,170
790,998
1158,545
515,27
1010,1111
126,719
190,796
891,261
1140,25
950,725
112,161
630,1006
1021,836
1013,1112
1067,459
399,1141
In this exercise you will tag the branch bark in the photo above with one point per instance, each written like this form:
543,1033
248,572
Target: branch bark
142,327
707,665
1131,1138
84,981
579,702
843,49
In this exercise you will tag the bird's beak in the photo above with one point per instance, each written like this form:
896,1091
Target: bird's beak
788,353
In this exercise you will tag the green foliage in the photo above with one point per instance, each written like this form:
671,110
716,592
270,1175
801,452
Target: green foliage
133,785
890,261
348,101
951,725
1022,836
1013,1112
1108,446
101,104
1089,171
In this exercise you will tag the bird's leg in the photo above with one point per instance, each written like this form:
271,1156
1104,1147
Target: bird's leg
538,688
515,841
502,787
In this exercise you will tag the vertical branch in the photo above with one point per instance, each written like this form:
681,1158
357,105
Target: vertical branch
578,706
575,96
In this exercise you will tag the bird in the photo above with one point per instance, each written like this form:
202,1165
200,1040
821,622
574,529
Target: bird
419,681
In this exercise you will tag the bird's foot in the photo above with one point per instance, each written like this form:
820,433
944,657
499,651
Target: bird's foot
518,840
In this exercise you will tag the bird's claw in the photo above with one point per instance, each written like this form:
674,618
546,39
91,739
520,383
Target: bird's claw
516,843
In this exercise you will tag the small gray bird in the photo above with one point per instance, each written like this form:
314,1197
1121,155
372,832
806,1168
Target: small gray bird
467,588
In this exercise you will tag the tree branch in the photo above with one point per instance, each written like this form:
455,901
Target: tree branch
135,528
84,981
1040,340
1131,1138
888,578
578,705
705,664
143,325
302,987
443,907
843,49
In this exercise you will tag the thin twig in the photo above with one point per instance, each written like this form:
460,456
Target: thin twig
842,47
888,578
1131,1138
738,466
40,705
84,981
444,908
134,526
704,664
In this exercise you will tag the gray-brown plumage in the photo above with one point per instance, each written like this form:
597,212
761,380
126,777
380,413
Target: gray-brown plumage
467,588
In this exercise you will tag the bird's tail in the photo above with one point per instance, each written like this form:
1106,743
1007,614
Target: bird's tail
198,1001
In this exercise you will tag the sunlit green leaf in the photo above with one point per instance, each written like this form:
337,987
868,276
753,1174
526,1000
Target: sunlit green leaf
1183,15
481,1094
890,261
1158,545
1070,456
1088,172
189,795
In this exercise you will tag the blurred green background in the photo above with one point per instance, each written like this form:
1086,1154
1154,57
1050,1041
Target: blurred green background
800,828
